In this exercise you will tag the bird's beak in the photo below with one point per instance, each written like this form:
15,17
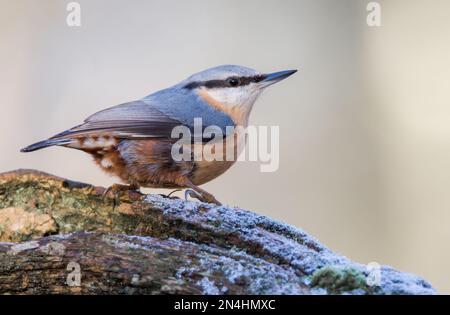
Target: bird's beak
275,77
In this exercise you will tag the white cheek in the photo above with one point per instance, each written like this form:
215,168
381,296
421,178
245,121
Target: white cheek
224,95
241,96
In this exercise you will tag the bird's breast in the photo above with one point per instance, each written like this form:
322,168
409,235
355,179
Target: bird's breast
213,159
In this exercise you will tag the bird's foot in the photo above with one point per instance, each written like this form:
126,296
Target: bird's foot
203,196
170,194
117,189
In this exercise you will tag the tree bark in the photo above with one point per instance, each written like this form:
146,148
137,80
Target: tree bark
64,237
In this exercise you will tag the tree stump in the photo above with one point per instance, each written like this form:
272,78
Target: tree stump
63,237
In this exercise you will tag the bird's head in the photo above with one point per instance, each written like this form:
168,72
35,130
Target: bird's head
232,89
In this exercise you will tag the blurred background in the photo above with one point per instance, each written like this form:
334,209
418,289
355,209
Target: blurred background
364,125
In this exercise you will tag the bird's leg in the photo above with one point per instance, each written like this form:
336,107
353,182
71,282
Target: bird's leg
200,194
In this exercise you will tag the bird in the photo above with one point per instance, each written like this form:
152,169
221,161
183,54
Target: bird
133,141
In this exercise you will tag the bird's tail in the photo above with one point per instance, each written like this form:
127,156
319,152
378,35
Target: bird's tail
44,144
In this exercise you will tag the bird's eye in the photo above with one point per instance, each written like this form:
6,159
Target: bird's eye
233,82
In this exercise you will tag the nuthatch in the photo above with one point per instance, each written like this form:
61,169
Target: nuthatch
133,140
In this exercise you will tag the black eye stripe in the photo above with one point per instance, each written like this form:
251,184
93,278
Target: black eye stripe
211,84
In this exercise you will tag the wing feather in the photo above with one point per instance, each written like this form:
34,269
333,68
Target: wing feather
154,116
129,120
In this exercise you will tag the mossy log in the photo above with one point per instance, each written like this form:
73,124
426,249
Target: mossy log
64,237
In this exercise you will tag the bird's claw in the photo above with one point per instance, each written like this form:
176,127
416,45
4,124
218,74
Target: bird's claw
170,194
204,197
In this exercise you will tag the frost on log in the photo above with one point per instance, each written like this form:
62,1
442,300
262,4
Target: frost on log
62,237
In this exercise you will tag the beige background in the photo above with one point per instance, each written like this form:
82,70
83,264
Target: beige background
365,126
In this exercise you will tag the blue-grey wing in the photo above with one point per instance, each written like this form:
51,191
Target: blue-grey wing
154,116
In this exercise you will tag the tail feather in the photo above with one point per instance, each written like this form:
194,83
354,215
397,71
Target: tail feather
45,144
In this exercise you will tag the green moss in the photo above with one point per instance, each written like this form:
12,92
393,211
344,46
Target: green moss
338,280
